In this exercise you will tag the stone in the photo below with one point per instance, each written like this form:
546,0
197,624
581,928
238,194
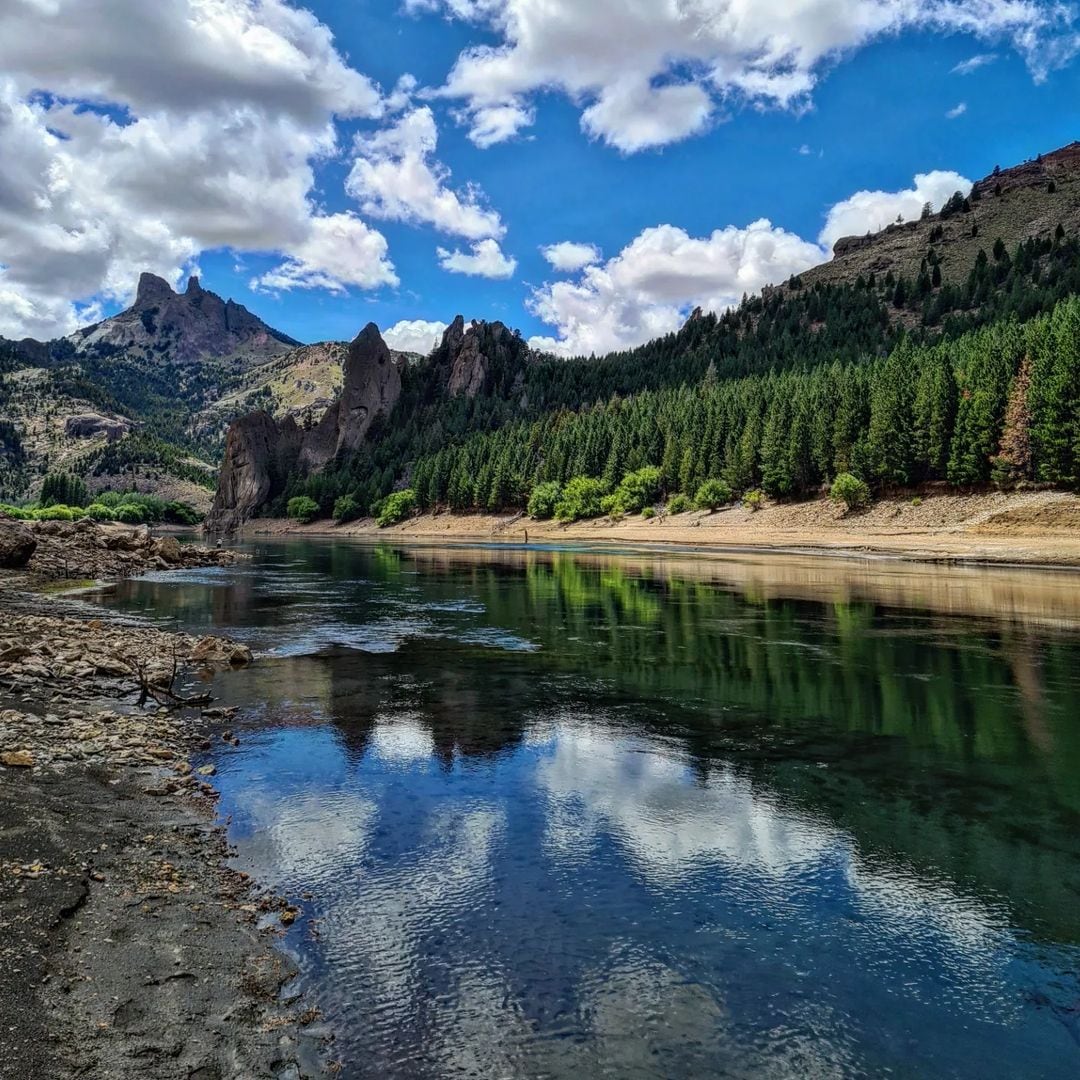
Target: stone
17,759
17,544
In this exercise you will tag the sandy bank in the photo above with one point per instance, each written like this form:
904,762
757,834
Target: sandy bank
1039,528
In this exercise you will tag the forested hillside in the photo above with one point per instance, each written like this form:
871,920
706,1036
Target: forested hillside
976,382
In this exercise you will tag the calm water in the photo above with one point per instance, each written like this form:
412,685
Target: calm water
567,814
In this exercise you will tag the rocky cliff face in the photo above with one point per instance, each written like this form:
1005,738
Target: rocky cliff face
187,326
471,355
260,452
371,384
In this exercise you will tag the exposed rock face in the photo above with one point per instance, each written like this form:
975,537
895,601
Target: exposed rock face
91,425
260,452
470,355
372,384
188,326
17,544
257,451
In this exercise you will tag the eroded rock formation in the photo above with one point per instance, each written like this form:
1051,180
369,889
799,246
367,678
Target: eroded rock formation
471,355
261,452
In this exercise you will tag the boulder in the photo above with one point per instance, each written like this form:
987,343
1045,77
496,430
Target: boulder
17,544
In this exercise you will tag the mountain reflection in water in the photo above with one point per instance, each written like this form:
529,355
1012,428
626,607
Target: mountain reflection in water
568,812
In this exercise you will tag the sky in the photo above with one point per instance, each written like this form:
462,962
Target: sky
587,173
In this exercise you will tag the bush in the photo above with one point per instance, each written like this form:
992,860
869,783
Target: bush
754,500
16,512
638,488
396,507
544,498
917,501
302,509
97,512
612,505
711,494
56,513
648,513
581,498
679,504
346,509
130,514
849,490
181,513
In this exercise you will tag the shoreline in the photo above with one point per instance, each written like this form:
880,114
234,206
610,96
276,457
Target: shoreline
1015,529
129,946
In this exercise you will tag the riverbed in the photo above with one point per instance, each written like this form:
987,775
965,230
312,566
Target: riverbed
559,812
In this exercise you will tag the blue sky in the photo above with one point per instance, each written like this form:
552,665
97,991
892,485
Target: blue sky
648,180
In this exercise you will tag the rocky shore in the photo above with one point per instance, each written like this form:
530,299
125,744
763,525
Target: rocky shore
128,948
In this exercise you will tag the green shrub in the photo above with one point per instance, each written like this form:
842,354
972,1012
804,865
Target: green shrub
98,512
130,514
613,506
581,498
711,494
17,512
346,509
544,498
57,513
754,500
679,504
917,501
302,509
849,490
638,488
396,507
108,498
181,513
648,513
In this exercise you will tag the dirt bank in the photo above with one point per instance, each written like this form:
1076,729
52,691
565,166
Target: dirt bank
1030,528
127,948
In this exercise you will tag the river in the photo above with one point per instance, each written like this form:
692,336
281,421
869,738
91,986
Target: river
585,813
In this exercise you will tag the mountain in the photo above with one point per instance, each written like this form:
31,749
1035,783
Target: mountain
186,327
750,396
1027,200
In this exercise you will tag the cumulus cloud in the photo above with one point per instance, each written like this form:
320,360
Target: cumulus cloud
486,259
396,177
869,211
651,286
414,335
973,63
114,160
956,111
569,257
688,57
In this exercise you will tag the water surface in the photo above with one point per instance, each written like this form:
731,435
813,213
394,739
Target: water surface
575,813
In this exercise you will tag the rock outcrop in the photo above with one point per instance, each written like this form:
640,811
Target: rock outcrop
471,355
91,425
371,384
17,544
188,326
260,452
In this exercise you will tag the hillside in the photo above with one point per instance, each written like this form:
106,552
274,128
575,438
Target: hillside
1028,200
898,362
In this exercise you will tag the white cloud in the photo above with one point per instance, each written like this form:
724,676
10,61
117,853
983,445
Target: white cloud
650,286
414,335
570,257
396,177
115,160
973,63
486,260
805,150
687,57
869,211
340,250
956,111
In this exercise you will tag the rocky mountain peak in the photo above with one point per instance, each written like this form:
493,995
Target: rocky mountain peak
470,354
152,290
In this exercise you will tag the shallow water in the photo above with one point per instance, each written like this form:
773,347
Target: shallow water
569,814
